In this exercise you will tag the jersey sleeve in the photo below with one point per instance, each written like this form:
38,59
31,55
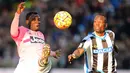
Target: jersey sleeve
17,32
21,32
112,35
85,44
14,25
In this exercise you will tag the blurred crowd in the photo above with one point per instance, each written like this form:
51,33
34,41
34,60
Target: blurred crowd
83,12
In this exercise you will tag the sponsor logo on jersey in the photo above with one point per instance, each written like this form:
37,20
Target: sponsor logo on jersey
36,40
104,50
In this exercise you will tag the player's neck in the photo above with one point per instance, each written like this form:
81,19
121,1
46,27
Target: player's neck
34,30
100,34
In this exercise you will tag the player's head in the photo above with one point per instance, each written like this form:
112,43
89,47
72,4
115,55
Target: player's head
99,24
33,20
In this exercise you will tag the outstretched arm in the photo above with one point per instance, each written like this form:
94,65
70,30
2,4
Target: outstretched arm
77,53
83,46
15,22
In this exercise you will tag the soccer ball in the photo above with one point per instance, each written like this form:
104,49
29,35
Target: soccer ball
62,20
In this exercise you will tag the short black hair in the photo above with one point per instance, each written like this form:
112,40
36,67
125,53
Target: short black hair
29,14
101,16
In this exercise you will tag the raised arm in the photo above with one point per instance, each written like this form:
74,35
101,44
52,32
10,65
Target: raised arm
15,22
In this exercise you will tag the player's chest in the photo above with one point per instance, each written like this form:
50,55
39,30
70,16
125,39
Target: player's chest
102,46
33,38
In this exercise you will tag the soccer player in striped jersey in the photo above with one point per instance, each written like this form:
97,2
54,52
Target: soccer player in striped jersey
31,46
98,48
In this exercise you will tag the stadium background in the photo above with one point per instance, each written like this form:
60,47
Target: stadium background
83,12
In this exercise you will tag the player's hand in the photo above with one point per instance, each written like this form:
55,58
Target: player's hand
57,53
70,58
21,7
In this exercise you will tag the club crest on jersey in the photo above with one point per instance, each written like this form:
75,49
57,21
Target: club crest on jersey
36,40
104,50
94,46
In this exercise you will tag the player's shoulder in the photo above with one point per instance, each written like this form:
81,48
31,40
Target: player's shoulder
40,33
109,31
23,27
88,37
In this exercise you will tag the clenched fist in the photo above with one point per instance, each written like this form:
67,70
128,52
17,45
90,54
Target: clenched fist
71,57
21,7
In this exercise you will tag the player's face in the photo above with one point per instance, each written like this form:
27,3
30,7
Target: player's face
35,23
99,24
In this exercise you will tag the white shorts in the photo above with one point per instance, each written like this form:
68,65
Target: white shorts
32,68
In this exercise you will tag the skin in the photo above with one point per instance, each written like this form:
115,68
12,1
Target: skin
21,7
99,26
34,23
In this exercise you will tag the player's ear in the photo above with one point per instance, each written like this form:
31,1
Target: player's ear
27,21
106,25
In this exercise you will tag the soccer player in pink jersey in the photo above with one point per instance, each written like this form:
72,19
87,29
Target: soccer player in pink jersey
31,46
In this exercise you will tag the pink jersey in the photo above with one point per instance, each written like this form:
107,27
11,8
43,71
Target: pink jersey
29,45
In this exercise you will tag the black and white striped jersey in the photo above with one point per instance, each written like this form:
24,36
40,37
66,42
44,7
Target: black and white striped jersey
99,53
